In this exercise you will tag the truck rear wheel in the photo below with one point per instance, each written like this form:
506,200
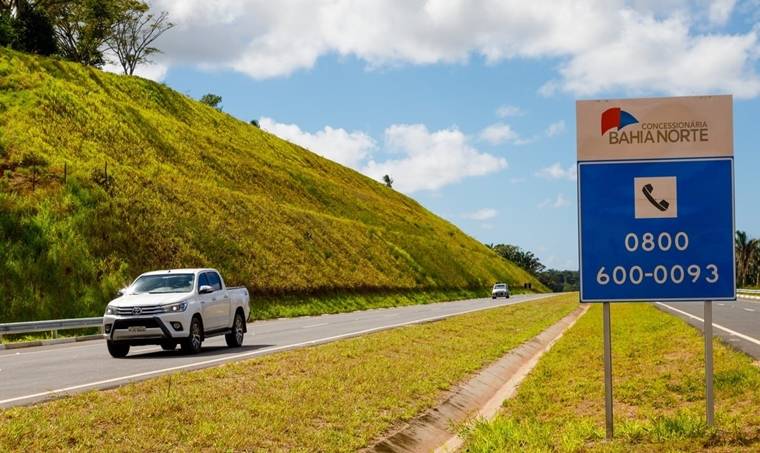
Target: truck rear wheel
117,350
235,338
192,344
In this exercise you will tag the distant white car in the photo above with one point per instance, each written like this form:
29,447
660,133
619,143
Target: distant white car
178,306
500,290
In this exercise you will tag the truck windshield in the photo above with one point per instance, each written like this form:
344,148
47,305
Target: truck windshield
163,284
499,286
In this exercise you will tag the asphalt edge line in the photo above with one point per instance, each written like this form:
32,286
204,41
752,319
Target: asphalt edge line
113,382
489,410
717,326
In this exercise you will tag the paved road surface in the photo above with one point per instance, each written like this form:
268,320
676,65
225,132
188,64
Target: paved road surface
36,374
737,323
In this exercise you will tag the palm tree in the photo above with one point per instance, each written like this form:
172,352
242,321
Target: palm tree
747,251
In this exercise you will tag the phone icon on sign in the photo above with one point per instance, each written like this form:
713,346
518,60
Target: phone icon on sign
655,197
662,205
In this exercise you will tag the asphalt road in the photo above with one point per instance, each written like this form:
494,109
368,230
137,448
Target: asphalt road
737,323
35,374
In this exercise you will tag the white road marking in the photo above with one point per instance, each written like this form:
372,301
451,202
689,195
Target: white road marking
315,325
718,326
252,353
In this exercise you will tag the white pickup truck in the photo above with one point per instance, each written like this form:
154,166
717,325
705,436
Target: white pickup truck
178,306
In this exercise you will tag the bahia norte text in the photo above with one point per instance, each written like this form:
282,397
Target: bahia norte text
675,132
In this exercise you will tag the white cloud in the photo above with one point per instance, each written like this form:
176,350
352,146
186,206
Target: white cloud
720,11
555,171
604,45
151,71
558,202
430,160
556,128
481,214
662,56
505,111
347,148
499,133
419,159
554,262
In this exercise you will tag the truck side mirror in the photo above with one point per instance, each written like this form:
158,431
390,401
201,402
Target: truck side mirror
121,292
205,289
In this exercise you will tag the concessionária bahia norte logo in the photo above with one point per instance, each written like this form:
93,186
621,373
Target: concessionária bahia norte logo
615,119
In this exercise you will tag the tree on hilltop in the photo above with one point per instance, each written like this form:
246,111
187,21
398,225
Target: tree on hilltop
133,34
212,100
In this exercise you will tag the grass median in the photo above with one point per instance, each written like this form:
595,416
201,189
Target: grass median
334,397
658,389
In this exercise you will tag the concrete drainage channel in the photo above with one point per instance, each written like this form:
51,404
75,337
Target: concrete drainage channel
480,397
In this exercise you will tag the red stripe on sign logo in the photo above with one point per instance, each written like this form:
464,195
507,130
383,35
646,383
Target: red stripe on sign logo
610,119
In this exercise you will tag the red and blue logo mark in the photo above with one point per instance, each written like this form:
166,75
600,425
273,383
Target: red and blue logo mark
615,118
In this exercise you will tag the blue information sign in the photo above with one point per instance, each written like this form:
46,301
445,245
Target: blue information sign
656,230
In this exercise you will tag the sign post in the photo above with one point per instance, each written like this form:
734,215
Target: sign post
656,208
608,371
709,364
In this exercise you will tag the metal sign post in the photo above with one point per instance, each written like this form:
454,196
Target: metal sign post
656,209
709,363
608,371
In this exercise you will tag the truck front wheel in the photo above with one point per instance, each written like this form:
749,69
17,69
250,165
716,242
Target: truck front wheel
192,344
117,350
235,338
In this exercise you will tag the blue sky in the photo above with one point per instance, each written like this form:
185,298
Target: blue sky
472,111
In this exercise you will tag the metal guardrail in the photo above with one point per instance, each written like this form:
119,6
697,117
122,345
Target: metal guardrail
748,291
49,326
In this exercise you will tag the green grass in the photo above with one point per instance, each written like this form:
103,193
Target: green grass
335,397
190,186
658,382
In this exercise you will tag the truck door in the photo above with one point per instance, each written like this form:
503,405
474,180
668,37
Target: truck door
220,302
207,306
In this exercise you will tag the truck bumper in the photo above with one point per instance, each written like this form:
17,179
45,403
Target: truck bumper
144,329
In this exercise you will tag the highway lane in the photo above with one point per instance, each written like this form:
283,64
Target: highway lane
737,323
36,374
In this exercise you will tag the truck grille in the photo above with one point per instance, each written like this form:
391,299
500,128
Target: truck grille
139,311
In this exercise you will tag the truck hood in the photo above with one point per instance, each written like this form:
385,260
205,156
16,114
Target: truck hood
144,300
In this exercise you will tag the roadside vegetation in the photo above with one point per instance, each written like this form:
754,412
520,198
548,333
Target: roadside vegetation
335,397
747,261
658,389
557,281
103,177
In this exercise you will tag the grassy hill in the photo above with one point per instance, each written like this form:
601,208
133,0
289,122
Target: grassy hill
103,177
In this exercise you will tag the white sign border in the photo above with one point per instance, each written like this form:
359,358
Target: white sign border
580,226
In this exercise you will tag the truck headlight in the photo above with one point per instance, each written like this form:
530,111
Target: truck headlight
110,310
175,308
